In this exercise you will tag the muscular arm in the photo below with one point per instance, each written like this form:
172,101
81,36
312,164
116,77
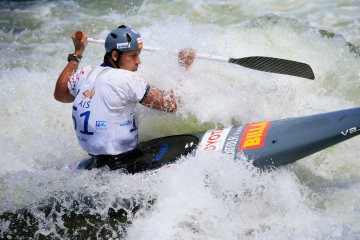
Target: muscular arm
160,100
61,92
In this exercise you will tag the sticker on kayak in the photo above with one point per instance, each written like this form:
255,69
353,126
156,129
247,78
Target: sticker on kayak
254,136
214,139
163,149
72,166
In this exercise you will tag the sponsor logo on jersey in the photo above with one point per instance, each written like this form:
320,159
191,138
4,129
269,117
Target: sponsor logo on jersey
100,125
254,136
88,93
126,123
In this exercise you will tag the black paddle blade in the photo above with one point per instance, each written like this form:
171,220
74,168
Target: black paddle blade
276,65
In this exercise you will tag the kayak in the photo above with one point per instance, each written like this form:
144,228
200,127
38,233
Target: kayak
267,144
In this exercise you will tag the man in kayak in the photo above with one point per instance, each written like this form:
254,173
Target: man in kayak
104,97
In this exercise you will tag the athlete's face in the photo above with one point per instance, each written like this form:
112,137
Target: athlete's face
130,60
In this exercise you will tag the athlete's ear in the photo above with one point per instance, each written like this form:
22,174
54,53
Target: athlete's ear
114,56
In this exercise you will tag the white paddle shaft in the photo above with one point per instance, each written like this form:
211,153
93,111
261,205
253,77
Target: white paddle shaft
153,49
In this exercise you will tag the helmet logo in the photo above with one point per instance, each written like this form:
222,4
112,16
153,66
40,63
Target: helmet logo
140,43
134,31
123,45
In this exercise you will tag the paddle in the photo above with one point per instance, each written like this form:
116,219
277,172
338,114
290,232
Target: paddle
265,64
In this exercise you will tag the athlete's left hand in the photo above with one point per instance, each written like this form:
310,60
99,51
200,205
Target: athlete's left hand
186,57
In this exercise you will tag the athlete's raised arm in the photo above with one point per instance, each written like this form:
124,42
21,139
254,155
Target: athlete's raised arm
61,92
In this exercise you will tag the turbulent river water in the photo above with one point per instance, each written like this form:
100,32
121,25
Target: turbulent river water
208,196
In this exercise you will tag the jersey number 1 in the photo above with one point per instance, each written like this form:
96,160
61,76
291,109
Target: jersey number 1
86,116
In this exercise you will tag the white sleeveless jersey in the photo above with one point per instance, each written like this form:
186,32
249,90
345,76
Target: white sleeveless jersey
104,108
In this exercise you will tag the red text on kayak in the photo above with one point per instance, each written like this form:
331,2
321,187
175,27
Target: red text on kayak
254,136
214,137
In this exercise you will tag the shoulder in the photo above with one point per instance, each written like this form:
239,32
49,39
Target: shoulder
80,72
121,76
122,72
85,69
77,78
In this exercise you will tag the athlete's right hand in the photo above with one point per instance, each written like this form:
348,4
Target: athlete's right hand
80,41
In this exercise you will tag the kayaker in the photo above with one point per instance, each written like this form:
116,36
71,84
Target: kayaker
104,97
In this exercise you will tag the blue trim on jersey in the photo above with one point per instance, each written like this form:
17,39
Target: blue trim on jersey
147,90
106,64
